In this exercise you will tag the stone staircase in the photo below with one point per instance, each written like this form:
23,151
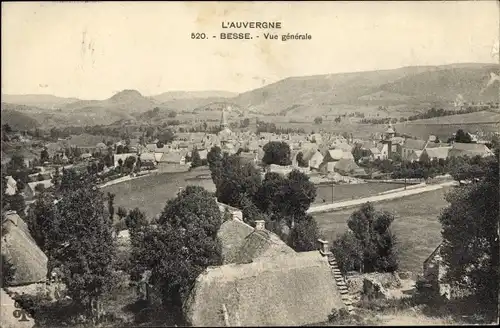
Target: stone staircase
341,284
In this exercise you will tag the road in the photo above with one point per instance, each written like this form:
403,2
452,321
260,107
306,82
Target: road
378,198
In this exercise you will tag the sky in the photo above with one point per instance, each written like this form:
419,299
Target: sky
93,50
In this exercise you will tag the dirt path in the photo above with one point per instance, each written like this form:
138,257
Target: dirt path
378,198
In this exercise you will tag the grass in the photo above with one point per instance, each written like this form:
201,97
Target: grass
351,191
416,225
151,193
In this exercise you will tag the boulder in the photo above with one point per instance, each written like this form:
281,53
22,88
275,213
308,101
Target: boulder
373,289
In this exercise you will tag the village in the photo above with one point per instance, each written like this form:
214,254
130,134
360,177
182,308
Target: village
324,158
156,176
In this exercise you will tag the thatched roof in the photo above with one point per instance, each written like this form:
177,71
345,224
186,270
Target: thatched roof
294,289
21,250
241,243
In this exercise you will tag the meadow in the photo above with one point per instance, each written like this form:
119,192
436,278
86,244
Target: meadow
150,194
416,225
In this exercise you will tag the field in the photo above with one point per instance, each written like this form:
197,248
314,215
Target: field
351,191
151,193
416,225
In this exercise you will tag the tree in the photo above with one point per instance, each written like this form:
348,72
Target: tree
56,179
41,220
338,119
119,149
111,208
84,245
304,235
195,158
271,193
300,160
318,120
44,156
237,180
166,136
122,212
4,189
245,123
129,163
214,159
8,271
462,137
298,194
16,164
276,152
357,152
135,219
16,203
470,245
7,128
183,245
120,165
372,229
172,114
348,252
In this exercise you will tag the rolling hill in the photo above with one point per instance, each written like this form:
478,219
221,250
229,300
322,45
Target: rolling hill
41,101
179,95
18,120
402,90
407,85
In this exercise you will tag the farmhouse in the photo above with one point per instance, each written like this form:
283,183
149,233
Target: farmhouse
469,149
437,153
262,283
31,189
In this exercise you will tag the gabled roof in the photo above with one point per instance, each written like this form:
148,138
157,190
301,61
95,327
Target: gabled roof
439,153
241,243
45,183
335,154
414,144
291,290
149,157
171,158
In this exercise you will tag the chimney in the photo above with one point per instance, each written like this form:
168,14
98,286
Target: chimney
323,247
260,225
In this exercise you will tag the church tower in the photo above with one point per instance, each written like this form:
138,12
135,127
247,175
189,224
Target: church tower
223,119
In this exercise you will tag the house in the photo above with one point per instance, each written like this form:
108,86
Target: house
409,146
11,185
148,157
414,155
348,167
316,160
173,162
203,154
437,153
21,250
375,153
469,149
31,189
262,282
173,158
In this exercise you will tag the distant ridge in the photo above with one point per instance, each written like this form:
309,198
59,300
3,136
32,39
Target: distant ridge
302,96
